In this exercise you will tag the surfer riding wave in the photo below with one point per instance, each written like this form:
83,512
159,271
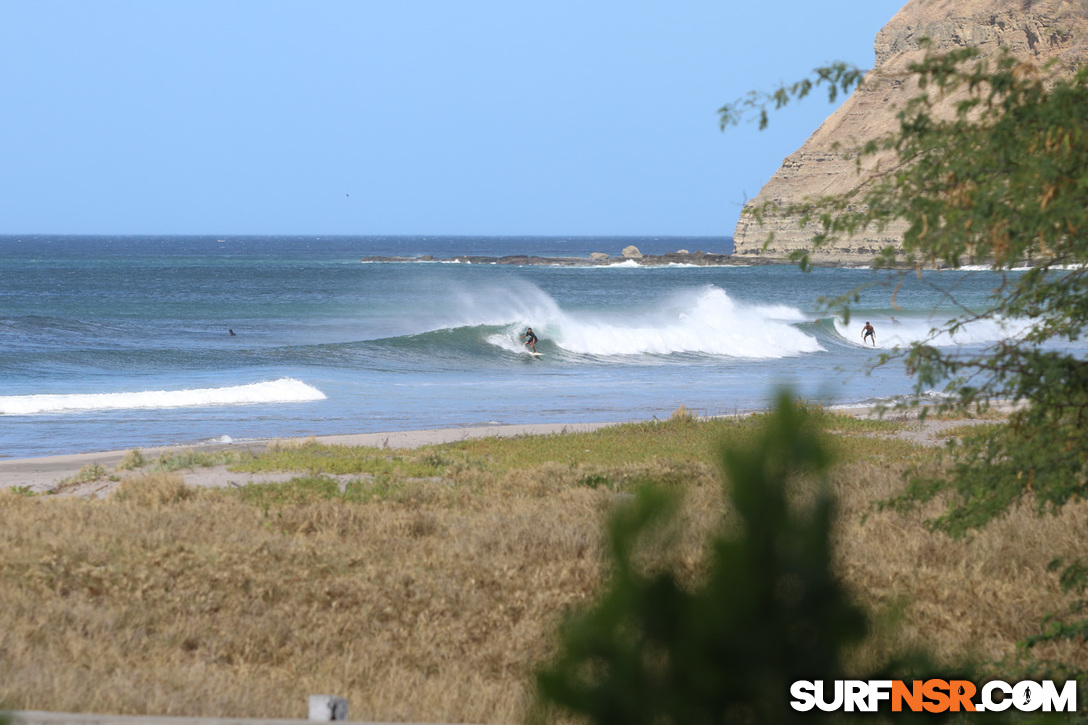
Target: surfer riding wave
530,339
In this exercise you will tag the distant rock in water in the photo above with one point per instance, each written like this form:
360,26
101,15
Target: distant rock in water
595,259
1036,31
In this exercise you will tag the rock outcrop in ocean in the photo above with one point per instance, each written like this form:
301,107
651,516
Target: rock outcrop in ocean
1034,30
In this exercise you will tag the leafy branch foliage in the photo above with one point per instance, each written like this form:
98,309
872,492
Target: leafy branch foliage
768,611
989,164
836,78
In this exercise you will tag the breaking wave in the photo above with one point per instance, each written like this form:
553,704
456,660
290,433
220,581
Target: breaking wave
284,390
903,332
701,321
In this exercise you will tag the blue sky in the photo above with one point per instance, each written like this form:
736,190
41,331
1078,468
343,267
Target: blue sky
468,117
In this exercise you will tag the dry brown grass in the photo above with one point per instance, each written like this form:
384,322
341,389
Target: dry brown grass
168,600
431,604
971,598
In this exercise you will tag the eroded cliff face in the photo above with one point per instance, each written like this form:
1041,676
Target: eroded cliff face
1036,31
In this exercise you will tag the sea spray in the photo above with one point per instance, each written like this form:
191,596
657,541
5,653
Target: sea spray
702,321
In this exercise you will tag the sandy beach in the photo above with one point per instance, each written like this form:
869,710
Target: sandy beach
42,475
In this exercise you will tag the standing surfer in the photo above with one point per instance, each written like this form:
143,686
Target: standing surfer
868,332
530,339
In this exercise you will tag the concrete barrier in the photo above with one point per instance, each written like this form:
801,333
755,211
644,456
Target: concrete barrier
324,708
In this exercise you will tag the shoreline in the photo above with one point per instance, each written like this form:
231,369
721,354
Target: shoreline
43,474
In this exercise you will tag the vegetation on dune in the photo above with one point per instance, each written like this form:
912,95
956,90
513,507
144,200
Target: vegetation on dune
433,598
657,647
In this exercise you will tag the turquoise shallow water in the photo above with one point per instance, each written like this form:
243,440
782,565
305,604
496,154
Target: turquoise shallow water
123,342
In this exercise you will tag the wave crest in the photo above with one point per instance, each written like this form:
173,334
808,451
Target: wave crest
284,390
704,321
905,331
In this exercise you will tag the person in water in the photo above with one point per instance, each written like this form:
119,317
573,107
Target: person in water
530,339
868,332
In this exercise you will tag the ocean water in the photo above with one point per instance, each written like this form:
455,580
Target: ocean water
121,342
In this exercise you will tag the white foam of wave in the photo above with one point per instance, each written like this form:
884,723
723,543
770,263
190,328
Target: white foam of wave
889,334
989,268
631,264
926,397
284,390
511,342
706,321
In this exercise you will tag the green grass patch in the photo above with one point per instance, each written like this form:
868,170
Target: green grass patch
679,438
971,431
613,458
192,458
87,474
168,462
313,489
317,458
133,459
622,445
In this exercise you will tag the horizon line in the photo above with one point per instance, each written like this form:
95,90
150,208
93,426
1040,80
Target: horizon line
340,234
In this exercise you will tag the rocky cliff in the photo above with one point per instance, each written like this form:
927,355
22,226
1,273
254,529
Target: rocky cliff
1035,30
